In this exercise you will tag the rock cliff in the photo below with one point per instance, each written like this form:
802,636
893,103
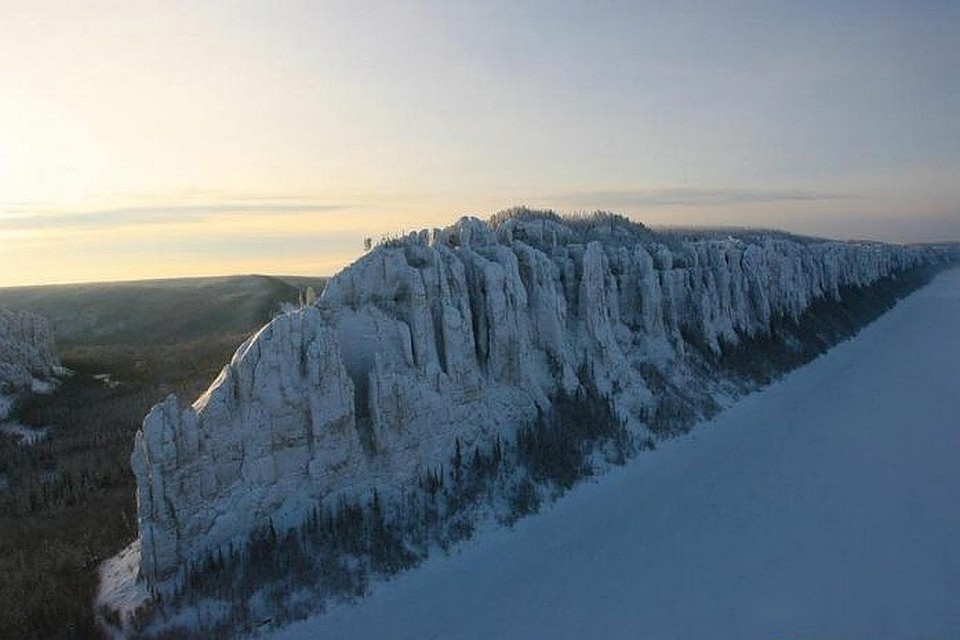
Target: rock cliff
27,353
462,334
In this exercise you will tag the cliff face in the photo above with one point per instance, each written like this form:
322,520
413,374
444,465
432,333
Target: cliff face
462,334
27,351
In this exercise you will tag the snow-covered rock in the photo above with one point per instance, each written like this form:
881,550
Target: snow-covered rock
459,334
275,429
28,358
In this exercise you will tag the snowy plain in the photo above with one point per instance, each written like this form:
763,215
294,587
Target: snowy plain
825,506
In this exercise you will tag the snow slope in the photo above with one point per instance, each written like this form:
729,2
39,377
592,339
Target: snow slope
825,506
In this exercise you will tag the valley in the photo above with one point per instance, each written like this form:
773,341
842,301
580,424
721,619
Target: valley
67,500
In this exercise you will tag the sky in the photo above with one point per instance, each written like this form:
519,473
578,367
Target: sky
151,139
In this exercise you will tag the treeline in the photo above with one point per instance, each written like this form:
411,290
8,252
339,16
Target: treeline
825,323
67,505
67,501
279,576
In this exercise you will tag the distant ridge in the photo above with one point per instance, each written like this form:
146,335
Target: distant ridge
157,311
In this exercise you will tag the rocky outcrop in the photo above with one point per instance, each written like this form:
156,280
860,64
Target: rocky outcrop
27,352
462,334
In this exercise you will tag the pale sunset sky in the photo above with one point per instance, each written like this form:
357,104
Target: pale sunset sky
152,139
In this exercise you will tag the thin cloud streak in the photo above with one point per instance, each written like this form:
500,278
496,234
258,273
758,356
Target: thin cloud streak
691,196
25,219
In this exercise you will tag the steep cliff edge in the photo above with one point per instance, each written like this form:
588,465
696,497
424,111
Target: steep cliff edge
459,336
27,354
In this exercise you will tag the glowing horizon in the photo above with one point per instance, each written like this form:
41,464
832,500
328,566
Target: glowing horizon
143,140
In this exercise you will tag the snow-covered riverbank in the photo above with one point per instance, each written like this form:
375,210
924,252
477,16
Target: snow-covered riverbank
823,506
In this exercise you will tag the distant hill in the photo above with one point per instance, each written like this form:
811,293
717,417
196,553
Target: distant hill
157,311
